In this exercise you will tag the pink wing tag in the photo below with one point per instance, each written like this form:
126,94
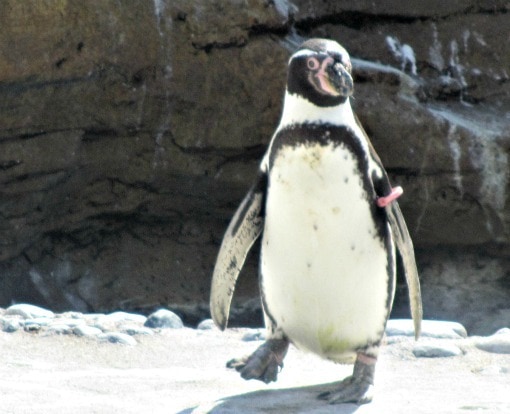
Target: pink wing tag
396,192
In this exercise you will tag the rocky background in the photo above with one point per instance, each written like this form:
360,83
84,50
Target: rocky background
130,131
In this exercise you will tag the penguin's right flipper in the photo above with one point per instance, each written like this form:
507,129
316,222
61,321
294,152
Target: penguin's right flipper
405,247
243,230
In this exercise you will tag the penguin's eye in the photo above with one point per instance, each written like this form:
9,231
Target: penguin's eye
312,63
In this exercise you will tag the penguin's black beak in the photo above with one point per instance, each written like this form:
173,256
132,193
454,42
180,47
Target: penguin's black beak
330,77
340,78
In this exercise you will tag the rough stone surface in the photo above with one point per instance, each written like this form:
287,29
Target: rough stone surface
130,131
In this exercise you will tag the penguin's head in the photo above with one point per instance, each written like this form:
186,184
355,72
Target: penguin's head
320,71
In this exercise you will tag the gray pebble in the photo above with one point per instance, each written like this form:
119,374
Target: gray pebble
429,329
136,330
254,335
164,318
37,321
28,311
206,324
11,325
31,327
117,338
497,343
88,331
436,350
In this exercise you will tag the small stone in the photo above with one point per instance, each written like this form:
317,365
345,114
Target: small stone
32,327
206,324
436,350
59,329
28,311
37,321
496,344
254,335
164,318
117,338
88,331
136,330
429,329
11,325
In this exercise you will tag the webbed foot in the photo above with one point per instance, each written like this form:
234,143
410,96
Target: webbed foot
356,388
264,363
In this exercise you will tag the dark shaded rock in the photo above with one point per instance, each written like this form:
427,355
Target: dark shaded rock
129,133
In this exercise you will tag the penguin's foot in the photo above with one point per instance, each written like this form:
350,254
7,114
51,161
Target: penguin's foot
358,387
264,363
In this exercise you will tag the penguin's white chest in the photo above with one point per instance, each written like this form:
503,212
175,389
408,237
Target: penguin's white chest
324,268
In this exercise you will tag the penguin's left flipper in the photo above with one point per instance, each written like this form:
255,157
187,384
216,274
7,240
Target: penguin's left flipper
243,230
405,248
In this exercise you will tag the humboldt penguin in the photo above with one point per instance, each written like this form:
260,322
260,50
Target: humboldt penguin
331,232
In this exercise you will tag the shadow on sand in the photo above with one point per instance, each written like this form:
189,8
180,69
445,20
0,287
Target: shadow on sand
286,401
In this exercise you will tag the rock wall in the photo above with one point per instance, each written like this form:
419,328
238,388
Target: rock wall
129,132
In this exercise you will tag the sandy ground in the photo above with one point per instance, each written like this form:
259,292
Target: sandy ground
183,371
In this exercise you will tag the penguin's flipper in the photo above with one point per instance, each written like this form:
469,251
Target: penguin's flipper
243,230
406,250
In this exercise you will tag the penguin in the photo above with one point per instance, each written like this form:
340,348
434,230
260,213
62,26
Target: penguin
331,233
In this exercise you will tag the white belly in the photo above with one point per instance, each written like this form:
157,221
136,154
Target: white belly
324,269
